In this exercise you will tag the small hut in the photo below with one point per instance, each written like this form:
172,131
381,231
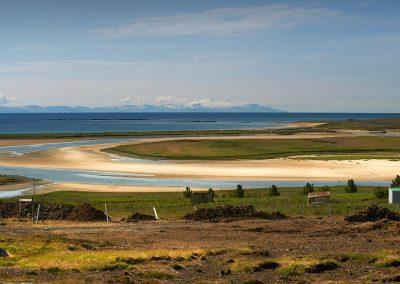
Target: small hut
318,197
394,195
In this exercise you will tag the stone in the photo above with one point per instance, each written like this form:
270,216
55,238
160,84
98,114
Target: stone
3,253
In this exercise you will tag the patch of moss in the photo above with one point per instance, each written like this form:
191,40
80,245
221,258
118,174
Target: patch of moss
389,262
111,267
129,260
291,270
54,270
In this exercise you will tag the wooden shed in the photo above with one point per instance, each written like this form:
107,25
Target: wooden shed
318,197
394,195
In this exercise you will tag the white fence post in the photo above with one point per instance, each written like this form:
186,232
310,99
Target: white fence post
106,211
155,213
37,213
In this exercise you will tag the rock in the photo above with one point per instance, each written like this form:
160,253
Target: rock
3,253
223,273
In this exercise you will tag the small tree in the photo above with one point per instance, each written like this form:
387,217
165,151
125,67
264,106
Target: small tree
351,186
396,181
273,191
324,188
211,192
381,192
308,188
187,193
239,191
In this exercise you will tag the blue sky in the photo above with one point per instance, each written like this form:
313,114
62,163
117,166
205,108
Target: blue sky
295,55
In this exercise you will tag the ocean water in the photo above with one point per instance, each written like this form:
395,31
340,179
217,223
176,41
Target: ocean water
124,122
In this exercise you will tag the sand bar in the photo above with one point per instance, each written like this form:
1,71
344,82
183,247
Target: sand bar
91,158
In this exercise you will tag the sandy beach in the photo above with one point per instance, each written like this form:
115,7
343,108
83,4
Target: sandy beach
282,169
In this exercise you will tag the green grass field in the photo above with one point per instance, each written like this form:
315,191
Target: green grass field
175,206
329,148
233,132
370,124
7,180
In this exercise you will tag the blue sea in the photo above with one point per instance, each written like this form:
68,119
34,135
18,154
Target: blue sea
124,122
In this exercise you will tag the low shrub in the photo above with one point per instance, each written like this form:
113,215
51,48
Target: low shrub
381,192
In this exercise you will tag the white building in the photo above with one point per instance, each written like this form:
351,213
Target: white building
394,195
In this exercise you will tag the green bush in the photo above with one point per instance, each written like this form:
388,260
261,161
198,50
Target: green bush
351,186
396,181
188,192
308,188
325,188
273,191
239,191
381,192
211,192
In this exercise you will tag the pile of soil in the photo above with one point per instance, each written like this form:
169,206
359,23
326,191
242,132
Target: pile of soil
85,213
229,212
9,209
372,214
55,211
52,211
136,217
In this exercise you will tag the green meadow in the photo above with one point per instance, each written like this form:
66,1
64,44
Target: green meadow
323,148
172,205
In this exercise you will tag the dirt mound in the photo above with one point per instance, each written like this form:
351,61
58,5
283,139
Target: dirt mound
8,209
56,211
227,212
136,217
52,211
372,214
86,212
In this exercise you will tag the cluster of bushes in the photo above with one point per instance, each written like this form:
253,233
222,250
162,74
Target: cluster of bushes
187,193
239,192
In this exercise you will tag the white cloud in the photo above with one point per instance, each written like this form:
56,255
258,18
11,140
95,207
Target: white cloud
223,21
5,100
126,100
211,102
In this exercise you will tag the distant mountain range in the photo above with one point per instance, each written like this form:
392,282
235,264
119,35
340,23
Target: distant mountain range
139,108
